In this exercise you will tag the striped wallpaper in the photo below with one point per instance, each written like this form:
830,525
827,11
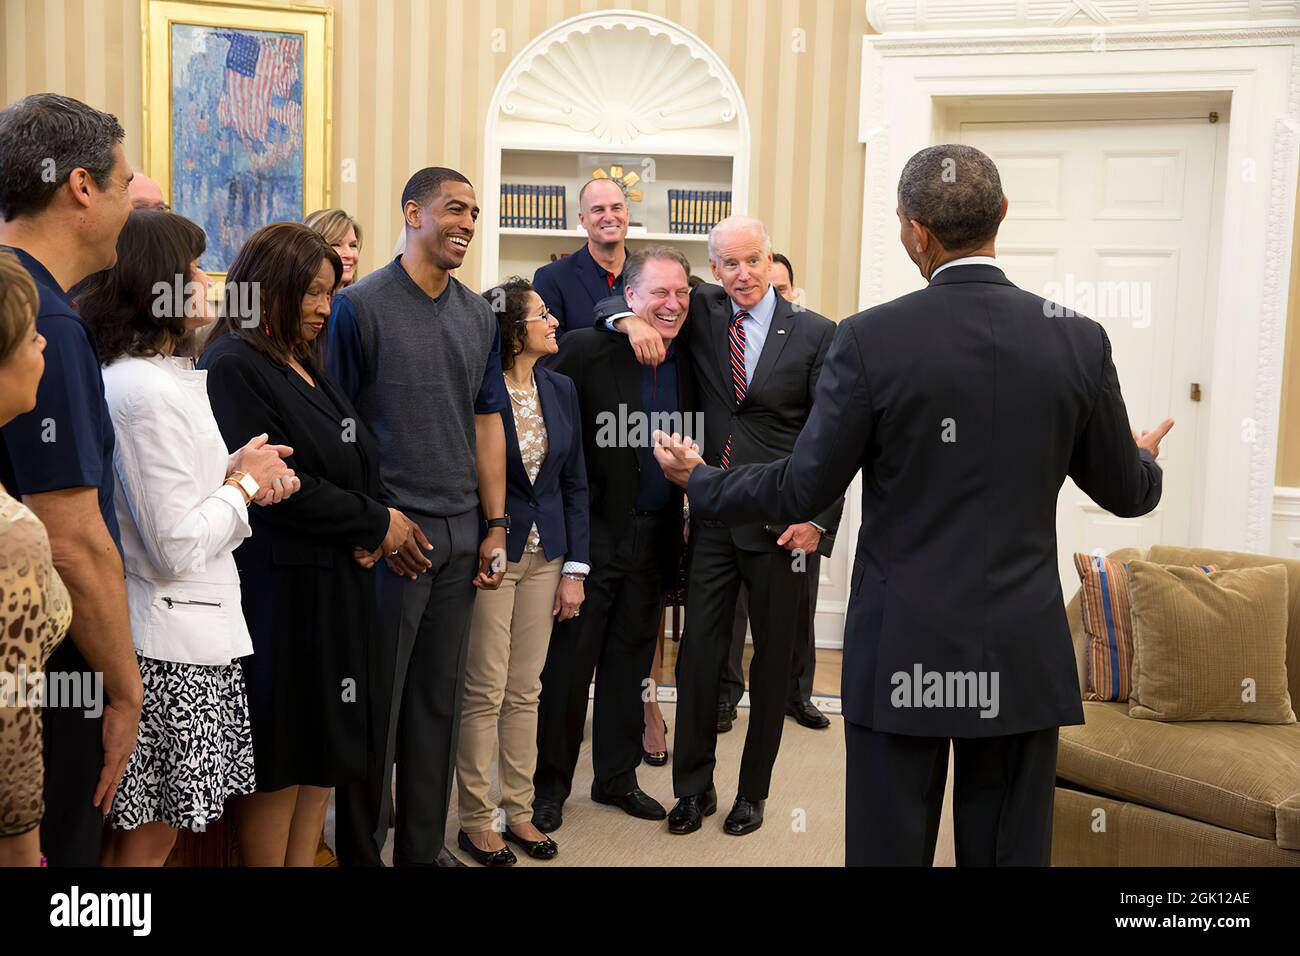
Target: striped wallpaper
412,80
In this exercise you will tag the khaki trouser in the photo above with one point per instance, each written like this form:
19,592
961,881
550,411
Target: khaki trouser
509,635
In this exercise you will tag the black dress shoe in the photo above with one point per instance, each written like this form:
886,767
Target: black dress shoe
548,816
546,849
447,858
689,812
726,714
637,804
808,715
501,857
746,816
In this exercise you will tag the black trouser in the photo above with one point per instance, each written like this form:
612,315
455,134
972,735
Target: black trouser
1003,789
615,636
71,828
417,676
804,664
717,570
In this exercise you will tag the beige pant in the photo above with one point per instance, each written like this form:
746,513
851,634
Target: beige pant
508,638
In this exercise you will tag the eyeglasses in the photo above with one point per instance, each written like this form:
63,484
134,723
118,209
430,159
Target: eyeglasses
544,317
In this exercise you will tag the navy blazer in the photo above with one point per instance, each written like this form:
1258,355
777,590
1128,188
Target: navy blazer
956,566
572,286
557,501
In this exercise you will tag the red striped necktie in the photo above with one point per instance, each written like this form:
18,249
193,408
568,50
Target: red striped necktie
736,347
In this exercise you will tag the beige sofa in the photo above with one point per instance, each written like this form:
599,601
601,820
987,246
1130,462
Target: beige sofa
1199,793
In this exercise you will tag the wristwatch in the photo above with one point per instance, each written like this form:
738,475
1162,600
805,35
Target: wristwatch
502,522
245,482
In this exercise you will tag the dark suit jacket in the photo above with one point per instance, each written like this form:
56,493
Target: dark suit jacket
309,606
572,286
956,566
777,402
607,376
557,501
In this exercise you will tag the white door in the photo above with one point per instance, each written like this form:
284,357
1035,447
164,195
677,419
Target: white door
1113,218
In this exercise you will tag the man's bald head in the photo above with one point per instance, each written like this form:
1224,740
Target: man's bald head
145,193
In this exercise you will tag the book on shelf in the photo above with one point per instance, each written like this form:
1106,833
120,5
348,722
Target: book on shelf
693,212
533,207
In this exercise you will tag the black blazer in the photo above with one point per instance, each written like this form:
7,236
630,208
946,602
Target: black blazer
966,404
557,501
606,374
572,286
309,606
777,403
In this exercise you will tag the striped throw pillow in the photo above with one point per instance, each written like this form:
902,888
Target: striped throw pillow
1104,607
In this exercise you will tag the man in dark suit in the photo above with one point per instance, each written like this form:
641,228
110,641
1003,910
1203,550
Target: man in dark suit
572,286
966,404
799,705
636,543
756,360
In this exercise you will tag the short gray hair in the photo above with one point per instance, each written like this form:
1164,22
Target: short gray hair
47,130
739,222
955,192
636,263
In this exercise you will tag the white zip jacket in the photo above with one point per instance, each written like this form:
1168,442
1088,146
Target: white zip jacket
180,524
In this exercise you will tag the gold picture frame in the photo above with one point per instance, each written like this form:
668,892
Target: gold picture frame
241,99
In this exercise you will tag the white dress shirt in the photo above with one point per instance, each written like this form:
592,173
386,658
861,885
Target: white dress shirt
180,524
756,326
966,261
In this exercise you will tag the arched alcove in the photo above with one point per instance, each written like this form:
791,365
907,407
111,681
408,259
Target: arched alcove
609,88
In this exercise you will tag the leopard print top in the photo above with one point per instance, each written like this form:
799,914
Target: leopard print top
35,611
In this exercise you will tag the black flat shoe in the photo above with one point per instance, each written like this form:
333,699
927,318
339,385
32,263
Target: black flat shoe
807,715
746,816
726,714
689,812
547,816
637,803
501,857
546,849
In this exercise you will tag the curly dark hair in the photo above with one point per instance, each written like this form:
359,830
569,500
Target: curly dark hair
125,306
509,302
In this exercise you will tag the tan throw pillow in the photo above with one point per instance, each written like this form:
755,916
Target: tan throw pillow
1209,646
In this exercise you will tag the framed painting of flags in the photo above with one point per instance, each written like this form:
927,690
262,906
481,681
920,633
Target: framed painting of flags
237,114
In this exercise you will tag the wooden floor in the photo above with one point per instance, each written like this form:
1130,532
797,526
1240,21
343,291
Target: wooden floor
826,678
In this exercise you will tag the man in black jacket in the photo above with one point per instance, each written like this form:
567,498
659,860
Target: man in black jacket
966,404
756,360
636,542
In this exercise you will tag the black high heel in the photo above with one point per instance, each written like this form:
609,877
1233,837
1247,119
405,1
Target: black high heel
658,758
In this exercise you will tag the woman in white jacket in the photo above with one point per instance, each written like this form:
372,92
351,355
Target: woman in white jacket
182,502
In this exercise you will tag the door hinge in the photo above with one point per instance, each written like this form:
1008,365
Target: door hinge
1196,391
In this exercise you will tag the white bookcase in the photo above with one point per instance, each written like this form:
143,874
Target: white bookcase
671,112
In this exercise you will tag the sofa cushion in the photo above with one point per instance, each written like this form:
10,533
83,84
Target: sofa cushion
1227,560
1209,646
1104,610
1244,777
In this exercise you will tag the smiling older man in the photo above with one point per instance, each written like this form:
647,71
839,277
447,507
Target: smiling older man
636,541
757,360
